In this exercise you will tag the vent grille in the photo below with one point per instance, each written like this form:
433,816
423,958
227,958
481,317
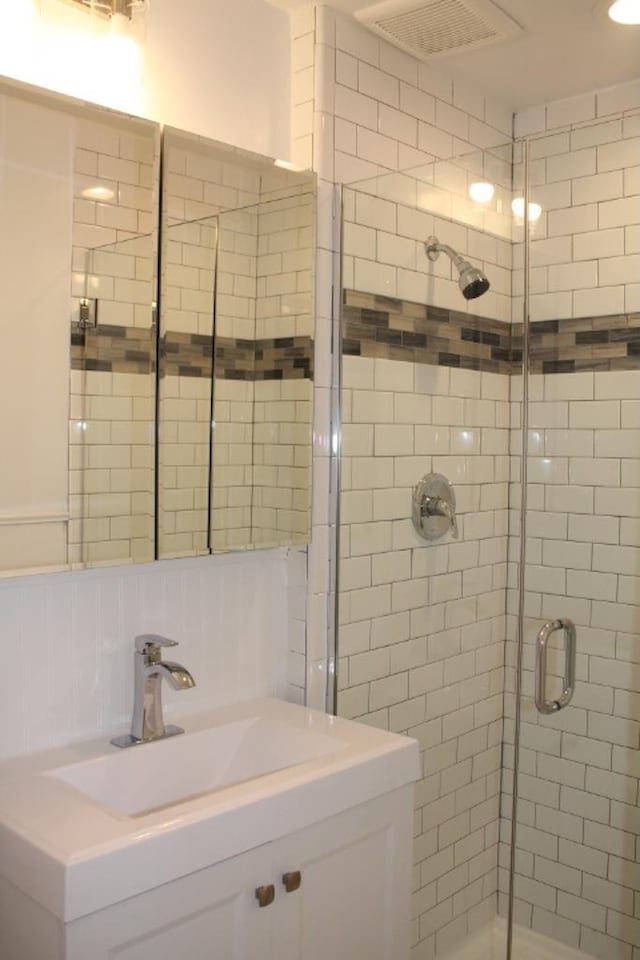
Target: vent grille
438,28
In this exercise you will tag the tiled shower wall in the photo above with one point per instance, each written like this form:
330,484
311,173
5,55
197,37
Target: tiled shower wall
614,351
422,625
360,107
579,831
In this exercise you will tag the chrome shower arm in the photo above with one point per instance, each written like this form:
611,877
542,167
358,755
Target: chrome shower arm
434,248
472,281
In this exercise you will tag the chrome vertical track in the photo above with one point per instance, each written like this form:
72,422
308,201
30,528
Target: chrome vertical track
158,356
336,449
523,549
212,398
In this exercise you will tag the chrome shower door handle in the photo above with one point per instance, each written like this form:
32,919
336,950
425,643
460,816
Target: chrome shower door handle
552,706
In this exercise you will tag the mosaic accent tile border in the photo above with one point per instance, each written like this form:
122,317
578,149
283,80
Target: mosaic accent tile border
280,358
116,349
185,355
375,326
284,358
586,344
113,349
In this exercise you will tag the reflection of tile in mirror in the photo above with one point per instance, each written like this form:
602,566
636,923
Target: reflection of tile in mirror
94,174
263,312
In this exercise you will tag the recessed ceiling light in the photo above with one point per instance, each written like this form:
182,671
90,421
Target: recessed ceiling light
98,193
286,165
535,210
625,11
481,191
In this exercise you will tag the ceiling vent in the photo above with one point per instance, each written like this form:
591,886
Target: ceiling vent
439,28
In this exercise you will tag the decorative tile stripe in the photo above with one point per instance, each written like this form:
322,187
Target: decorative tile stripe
587,343
185,355
375,326
113,349
284,358
116,349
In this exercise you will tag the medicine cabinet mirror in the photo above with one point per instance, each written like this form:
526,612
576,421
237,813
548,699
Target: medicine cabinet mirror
157,361
236,350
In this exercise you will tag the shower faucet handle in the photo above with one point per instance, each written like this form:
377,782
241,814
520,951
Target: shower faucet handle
434,507
438,507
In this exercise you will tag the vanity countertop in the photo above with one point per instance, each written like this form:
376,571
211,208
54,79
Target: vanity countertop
75,855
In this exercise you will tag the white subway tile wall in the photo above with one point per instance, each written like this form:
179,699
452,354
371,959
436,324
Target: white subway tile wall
361,109
422,630
212,216
233,435
111,467
112,411
384,590
282,442
183,465
263,289
281,475
421,638
584,245
356,101
578,830
393,112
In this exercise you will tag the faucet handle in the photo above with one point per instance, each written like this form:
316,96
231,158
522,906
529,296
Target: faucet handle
150,644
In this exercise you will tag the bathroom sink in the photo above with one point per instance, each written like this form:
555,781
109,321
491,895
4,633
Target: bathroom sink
86,826
155,775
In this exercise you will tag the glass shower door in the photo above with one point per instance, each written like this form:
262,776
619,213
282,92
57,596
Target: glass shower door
577,875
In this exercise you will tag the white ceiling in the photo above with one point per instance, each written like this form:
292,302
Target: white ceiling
568,47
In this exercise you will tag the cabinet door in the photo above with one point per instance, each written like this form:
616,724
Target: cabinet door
354,897
209,915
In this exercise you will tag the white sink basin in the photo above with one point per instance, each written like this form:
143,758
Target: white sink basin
150,776
87,826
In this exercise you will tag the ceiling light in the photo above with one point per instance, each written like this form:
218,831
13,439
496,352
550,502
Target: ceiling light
286,165
111,8
98,193
535,210
482,192
625,11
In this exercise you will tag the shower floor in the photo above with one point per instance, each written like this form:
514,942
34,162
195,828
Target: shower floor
490,944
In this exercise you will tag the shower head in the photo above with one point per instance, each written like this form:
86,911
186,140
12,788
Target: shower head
472,281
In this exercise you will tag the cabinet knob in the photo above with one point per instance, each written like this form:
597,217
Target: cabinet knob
266,895
292,881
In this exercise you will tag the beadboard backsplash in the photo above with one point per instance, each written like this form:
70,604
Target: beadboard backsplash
68,641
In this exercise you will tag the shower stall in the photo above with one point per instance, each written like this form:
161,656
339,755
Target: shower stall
499,624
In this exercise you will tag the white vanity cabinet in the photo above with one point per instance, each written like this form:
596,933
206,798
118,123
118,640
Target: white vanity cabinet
352,902
156,853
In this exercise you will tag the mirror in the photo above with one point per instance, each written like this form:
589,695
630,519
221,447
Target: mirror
148,411
236,350
78,184
112,407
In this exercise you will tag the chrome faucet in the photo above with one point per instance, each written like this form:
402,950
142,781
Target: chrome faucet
148,723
